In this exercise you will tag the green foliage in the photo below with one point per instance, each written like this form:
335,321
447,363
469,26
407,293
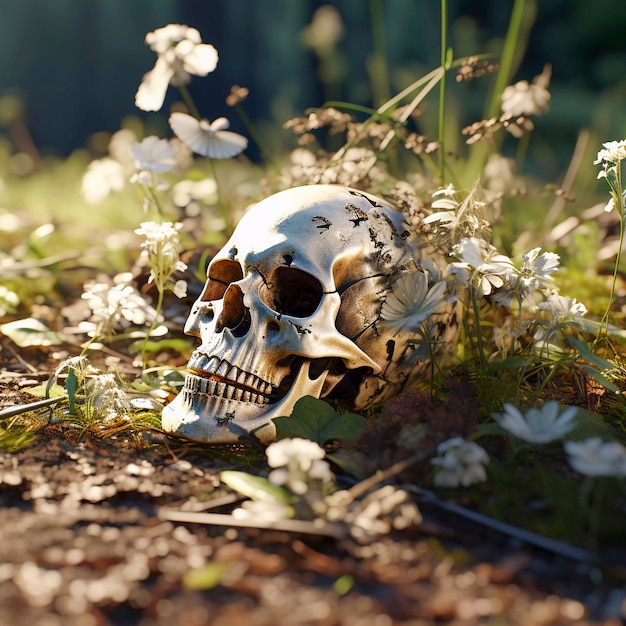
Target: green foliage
14,440
316,420
30,332
207,577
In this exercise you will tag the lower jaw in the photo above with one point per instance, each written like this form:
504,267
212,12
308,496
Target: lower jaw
202,411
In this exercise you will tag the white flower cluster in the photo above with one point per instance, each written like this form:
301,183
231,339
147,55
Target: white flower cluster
114,306
298,463
610,158
160,251
459,463
300,474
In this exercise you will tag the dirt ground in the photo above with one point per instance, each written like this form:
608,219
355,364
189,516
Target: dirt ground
86,541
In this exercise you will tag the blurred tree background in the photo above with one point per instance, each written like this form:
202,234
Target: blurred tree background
75,65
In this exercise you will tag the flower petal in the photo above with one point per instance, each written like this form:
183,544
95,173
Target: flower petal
151,92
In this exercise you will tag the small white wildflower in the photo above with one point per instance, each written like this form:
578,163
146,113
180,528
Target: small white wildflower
299,464
538,425
524,98
115,307
103,177
154,154
180,54
411,301
536,270
612,152
210,139
491,270
459,462
160,251
285,451
107,397
594,457
561,307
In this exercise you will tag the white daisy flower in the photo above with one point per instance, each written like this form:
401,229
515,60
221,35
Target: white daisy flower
491,270
538,425
153,154
459,462
594,457
411,301
180,54
210,139
537,270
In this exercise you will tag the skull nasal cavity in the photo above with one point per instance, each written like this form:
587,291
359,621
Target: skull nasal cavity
234,315
293,292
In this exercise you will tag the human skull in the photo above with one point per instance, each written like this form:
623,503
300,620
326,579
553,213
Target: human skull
292,307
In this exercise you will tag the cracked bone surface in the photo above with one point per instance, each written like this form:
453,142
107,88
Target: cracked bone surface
292,307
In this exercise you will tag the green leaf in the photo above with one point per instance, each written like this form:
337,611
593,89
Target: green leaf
588,424
205,577
254,487
43,391
30,332
316,420
71,385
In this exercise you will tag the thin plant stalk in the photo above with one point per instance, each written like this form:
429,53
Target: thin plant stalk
442,88
509,52
618,197
188,100
380,74
157,308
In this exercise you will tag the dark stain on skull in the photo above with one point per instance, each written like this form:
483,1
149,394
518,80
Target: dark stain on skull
391,346
300,329
326,222
224,421
362,195
359,214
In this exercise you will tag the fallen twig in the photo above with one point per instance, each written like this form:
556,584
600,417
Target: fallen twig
18,409
551,545
317,527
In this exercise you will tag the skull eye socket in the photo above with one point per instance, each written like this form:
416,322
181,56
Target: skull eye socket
221,274
290,291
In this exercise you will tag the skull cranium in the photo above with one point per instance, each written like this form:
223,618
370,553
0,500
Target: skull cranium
292,307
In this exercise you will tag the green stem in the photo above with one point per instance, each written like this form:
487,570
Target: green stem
380,75
159,306
187,99
509,52
442,88
477,328
619,201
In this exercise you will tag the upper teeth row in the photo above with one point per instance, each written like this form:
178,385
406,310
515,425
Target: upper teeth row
224,369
